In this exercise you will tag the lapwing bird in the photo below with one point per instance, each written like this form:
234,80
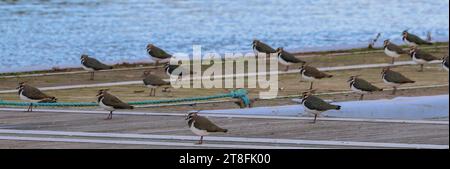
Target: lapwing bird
260,47
362,86
202,126
91,64
110,103
287,58
171,68
157,54
421,57
392,50
311,74
33,95
445,62
153,82
413,40
394,79
315,105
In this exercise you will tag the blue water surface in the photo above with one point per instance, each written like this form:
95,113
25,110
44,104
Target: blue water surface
41,34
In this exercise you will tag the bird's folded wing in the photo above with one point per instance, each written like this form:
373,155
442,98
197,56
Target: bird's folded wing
365,85
159,53
115,102
395,48
291,58
203,123
266,48
95,64
315,103
397,77
34,93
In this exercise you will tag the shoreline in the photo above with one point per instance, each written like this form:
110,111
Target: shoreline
149,61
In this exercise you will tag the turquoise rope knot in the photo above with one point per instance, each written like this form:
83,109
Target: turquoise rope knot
241,94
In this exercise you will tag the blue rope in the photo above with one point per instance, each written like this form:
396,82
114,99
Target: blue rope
240,94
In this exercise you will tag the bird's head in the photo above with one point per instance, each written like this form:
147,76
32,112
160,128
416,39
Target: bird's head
150,46
21,85
386,42
83,57
385,69
306,94
405,33
255,42
352,78
191,115
302,68
279,50
101,92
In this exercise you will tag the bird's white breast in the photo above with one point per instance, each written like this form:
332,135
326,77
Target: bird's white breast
102,105
391,53
417,60
308,78
358,90
25,98
390,83
311,111
282,61
409,43
87,68
198,131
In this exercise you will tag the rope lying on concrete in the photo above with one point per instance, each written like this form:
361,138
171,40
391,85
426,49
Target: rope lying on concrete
239,94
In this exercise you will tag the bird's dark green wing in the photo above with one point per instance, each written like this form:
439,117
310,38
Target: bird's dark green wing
425,56
416,39
316,103
365,85
154,80
291,58
159,53
265,48
204,124
115,102
34,93
314,72
396,77
95,64
395,48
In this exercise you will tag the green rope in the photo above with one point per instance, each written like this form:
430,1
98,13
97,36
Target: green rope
240,93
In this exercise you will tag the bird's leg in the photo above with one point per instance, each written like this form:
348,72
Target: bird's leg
30,108
287,68
92,76
109,116
201,140
393,60
151,90
361,97
421,68
315,118
311,86
393,91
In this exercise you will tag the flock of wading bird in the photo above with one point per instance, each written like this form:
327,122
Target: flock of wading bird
202,126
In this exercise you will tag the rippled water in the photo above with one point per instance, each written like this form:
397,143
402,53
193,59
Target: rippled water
54,33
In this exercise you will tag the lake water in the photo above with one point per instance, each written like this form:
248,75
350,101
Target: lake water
42,34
